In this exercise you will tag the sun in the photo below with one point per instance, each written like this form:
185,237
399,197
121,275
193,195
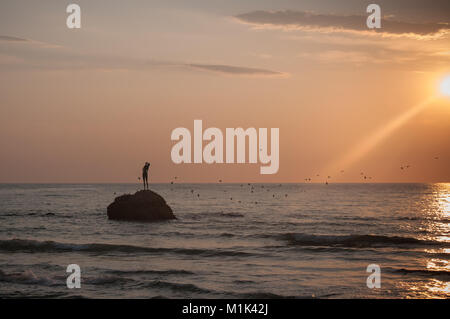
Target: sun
445,86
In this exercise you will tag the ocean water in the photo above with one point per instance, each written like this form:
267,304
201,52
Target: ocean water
229,241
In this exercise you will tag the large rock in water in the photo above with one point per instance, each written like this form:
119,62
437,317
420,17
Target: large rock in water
142,206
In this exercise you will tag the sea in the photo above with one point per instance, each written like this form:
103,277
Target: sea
239,240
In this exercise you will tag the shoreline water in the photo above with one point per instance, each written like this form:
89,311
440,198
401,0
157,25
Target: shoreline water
316,242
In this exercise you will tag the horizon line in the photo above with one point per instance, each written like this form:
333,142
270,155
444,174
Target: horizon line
218,183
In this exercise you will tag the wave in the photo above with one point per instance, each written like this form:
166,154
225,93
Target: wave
266,295
16,294
27,245
191,288
220,214
357,241
106,280
26,277
196,234
29,278
232,215
38,213
424,218
179,287
150,272
424,272
61,195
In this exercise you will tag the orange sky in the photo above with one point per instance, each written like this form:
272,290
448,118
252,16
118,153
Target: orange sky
92,105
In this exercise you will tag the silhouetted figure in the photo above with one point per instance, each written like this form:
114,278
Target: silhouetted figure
145,175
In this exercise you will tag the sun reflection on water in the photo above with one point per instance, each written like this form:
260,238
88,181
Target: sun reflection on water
430,277
438,288
439,228
436,264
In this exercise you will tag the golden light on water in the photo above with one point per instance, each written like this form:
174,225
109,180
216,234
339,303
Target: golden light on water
439,214
430,280
444,202
439,287
444,210
445,86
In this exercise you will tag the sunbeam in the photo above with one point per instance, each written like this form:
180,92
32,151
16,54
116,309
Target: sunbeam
377,137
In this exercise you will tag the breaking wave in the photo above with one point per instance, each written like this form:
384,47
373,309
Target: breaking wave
26,245
357,240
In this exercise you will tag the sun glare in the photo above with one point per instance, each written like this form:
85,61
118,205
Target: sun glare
445,86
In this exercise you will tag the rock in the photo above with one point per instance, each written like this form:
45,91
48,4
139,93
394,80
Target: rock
142,206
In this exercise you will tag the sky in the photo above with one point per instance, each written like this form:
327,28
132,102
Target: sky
93,104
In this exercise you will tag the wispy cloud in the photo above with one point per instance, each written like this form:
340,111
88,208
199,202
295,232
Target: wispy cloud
7,38
46,56
393,57
329,23
235,70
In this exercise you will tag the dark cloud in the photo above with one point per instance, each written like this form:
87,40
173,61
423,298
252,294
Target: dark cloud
236,70
332,22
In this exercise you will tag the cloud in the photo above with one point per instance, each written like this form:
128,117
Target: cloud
328,23
53,57
235,70
12,39
5,39
360,56
344,49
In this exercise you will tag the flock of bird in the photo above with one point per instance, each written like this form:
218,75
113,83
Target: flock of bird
362,174
251,189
